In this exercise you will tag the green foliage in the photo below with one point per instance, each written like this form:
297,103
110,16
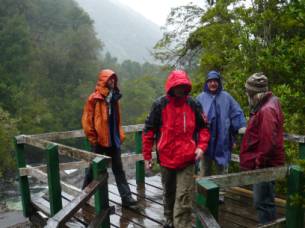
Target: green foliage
7,131
239,40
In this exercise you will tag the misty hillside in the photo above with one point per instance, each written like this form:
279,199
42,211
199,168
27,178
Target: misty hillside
125,33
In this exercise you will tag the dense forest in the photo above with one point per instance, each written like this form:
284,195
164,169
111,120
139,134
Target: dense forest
50,57
49,61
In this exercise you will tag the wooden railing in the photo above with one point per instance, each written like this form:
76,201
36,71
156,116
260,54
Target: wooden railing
207,202
207,188
49,173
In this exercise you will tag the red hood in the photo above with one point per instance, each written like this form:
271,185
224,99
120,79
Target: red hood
177,77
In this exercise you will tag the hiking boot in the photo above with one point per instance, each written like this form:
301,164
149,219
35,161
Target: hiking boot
128,201
221,199
168,224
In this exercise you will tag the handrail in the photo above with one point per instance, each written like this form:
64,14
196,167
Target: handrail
247,177
70,209
131,129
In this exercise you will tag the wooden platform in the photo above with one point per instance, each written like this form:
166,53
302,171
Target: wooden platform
236,211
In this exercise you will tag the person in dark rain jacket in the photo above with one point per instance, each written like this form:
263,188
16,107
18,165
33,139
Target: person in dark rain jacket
177,125
263,142
101,122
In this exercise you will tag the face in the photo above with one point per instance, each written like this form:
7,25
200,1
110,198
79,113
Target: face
110,83
213,85
179,91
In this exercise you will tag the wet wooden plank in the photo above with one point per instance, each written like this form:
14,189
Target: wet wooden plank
148,187
146,208
144,192
69,151
62,166
154,181
42,204
70,209
247,177
123,217
244,200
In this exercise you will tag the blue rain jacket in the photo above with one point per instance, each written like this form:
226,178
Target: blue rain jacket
225,118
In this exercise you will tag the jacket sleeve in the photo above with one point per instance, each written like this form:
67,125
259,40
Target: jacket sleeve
150,129
202,128
267,136
237,116
88,121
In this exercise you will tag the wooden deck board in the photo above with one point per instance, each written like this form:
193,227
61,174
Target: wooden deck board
236,212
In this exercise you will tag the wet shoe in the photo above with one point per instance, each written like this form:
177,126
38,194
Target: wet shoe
168,224
221,199
129,201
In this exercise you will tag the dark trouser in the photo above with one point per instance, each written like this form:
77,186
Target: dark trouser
263,198
207,167
117,169
178,187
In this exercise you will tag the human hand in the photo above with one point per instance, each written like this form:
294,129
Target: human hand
242,130
148,164
199,153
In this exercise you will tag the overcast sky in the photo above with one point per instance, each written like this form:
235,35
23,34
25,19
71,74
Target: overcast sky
157,10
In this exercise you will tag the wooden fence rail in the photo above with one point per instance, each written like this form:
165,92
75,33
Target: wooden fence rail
208,188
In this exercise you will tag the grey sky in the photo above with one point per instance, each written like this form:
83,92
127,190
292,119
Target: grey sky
157,10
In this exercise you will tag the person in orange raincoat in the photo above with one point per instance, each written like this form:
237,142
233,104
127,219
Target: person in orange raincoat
101,122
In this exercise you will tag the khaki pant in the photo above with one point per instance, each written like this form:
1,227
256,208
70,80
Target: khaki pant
178,187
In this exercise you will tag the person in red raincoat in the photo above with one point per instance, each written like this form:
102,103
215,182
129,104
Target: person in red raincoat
177,124
263,142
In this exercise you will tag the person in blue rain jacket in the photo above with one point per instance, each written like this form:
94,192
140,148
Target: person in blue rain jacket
225,118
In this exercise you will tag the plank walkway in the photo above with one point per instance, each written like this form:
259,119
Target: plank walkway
236,211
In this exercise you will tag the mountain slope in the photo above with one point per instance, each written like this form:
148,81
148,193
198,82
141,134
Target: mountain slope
125,33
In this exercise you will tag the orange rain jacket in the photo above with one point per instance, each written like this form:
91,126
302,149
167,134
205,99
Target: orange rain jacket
95,119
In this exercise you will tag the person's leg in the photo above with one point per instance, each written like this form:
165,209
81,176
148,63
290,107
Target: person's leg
168,178
184,197
119,175
88,177
263,198
206,166
221,170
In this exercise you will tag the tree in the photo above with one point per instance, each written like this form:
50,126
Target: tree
7,131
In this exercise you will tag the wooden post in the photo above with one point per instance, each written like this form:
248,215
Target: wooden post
295,212
53,178
86,145
23,180
101,196
207,196
140,169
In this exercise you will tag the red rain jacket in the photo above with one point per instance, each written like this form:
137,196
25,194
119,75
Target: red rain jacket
263,142
178,126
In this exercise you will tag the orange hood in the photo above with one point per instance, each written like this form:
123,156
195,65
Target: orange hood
101,84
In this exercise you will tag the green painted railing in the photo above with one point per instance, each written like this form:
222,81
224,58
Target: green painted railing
206,196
